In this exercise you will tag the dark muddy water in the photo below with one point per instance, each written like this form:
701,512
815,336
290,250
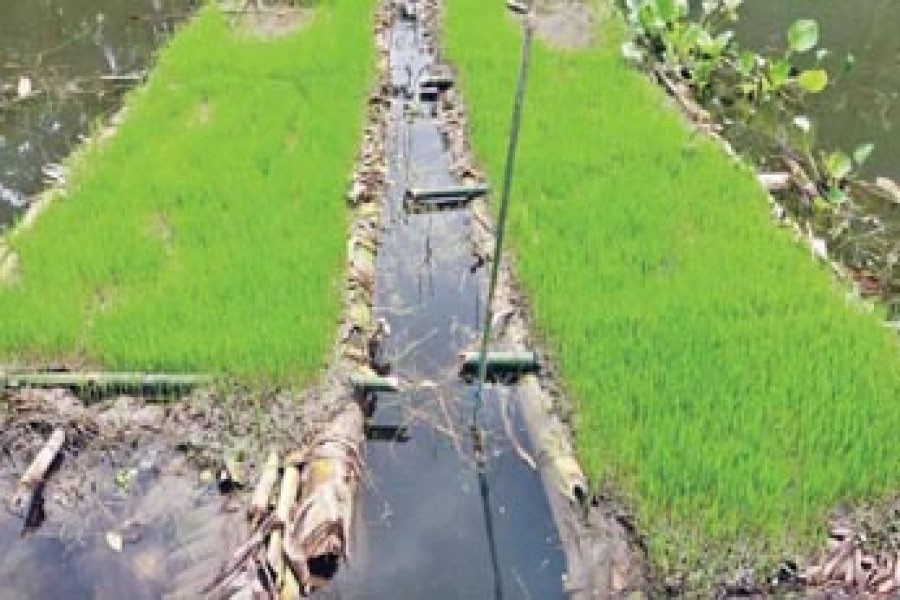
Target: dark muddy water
62,50
431,527
136,525
863,104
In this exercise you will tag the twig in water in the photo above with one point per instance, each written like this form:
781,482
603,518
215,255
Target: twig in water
511,434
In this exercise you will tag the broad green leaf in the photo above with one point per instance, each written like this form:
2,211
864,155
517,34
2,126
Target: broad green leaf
803,35
862,153
838,164
813,80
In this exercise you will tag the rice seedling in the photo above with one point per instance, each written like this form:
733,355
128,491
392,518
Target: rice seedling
208,234
721,378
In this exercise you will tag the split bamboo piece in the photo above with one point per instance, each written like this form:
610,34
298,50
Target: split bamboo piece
263,492
290,485
37,470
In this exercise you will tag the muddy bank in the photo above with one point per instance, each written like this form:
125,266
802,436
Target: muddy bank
145,496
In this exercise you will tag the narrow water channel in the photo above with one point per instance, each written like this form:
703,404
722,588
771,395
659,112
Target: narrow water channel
431,528
75,59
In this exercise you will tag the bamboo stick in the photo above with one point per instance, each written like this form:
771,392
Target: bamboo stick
370,382
290,484
507,360
263,492
275,556
37,470
449,192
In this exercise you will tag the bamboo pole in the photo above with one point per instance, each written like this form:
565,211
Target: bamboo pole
370,382
145,382
448,192
506,360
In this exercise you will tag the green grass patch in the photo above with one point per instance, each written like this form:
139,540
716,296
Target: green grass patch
721,378
208,234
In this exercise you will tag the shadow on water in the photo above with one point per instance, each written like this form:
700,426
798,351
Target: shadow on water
64,49
431,526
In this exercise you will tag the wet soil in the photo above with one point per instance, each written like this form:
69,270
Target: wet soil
138,504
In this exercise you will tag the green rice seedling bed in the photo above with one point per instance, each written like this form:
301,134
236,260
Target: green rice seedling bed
208,233
721,379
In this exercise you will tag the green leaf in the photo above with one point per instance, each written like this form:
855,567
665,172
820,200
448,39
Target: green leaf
779,73
803,35
649,19
862,153
668,10
836,195
838,164
747,62
813,80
